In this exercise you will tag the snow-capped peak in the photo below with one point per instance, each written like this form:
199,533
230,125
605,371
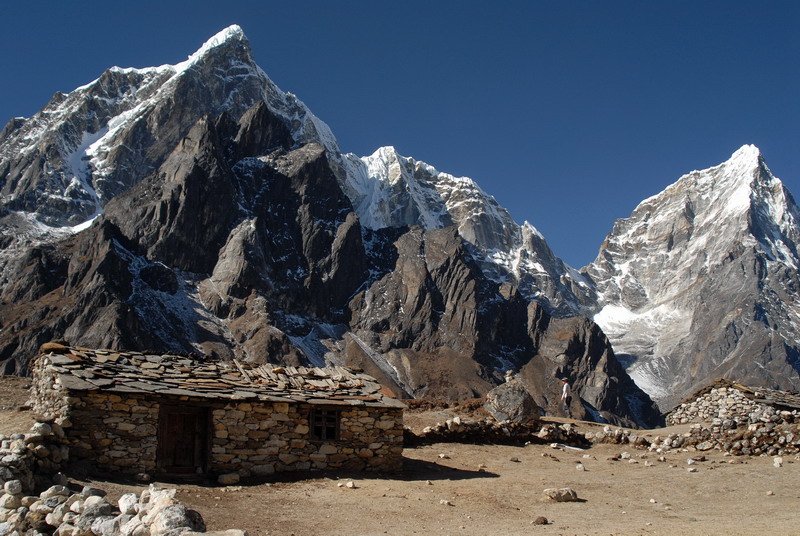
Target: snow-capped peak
84,176
702,236
746,153
231,33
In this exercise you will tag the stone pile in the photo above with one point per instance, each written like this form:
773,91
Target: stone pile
486,431
756,439
57,511
33,459
617,436
734,407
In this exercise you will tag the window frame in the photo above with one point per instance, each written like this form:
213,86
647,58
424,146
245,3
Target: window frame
325,424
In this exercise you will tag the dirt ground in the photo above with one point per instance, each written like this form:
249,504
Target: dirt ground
491,489
14,414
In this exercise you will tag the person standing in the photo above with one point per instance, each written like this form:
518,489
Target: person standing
566,396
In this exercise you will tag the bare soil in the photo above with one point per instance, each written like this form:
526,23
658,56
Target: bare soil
14,412
493,489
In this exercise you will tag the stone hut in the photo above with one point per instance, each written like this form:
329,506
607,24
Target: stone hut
135,412
736,405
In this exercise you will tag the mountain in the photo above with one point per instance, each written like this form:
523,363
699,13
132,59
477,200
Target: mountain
701,281
197,207
389,190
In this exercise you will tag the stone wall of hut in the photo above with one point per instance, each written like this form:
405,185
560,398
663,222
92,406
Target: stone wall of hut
119,432
259,439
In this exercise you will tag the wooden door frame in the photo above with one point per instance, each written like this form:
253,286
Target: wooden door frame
203,412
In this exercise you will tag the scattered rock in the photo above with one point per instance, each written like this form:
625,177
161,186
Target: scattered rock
560,494
228,479
446,502
541,520
89,491
173,517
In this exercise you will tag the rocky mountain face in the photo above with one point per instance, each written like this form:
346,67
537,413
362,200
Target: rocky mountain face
389,190
197,207
701,282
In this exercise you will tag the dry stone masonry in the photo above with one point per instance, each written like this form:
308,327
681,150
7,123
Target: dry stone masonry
34,459
58,511
737,405
142,414
487,431
30,462
737,419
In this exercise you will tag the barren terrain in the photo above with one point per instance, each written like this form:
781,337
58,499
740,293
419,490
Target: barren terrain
490,489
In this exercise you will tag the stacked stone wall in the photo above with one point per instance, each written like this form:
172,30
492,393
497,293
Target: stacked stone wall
260,439
491,432
33,459
119,432
732,407
49,399
59,512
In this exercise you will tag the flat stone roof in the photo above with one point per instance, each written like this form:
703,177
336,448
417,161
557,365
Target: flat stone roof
84,369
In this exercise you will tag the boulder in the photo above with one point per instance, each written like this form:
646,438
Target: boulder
511,401
173,517
109,526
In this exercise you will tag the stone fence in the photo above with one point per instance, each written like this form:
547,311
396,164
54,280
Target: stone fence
33,461
753,440
456,430
57,511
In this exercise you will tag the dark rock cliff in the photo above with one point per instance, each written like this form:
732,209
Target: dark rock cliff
242,244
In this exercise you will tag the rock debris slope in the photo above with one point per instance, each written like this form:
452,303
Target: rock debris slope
701,282
197,207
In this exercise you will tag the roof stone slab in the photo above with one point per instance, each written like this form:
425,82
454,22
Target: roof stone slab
84,369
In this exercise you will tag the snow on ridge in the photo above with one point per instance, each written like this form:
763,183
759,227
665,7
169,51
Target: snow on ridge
370,179
221,37
390,190
233,32
744,157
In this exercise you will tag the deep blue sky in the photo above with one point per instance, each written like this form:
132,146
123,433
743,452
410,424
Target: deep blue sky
569,113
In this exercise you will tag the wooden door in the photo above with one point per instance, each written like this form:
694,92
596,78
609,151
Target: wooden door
183,439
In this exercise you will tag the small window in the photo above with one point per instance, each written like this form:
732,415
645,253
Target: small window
324,423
